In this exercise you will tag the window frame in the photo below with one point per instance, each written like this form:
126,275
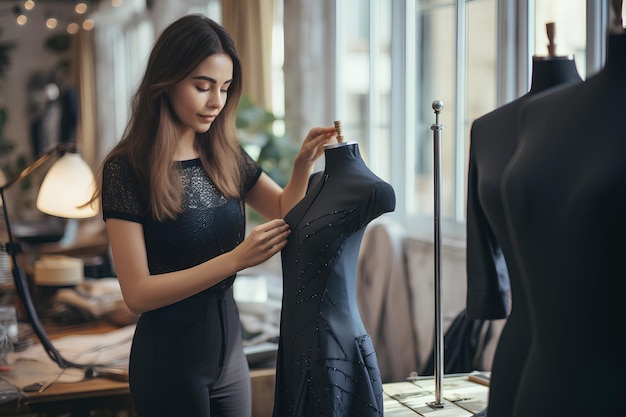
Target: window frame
515,31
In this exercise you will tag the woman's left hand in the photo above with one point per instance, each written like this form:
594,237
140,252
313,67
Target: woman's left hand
267,198
313,146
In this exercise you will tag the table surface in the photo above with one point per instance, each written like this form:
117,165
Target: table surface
29,372
461,395
25,373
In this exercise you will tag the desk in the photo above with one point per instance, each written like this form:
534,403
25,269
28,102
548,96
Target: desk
462,396
78,398
106,394
75,398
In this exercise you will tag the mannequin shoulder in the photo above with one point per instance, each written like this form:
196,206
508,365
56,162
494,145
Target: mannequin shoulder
383,193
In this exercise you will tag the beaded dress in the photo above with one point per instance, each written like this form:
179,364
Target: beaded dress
326,364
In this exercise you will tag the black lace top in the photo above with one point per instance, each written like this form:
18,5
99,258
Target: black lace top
210,225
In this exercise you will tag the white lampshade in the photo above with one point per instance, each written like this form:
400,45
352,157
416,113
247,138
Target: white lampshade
68,185
3,179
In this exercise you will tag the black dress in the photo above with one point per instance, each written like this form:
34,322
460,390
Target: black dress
491,266
186,358
326,363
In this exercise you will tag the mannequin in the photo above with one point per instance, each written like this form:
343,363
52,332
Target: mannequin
326,362
564,198
491,269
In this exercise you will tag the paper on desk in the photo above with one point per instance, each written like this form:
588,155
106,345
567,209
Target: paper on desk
111,350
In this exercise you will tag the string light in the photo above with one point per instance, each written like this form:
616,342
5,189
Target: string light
72,27
88,24
81,8
51,23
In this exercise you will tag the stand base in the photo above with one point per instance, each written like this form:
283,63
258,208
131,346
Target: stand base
435,405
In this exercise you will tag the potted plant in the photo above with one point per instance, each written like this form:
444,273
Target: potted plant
273,153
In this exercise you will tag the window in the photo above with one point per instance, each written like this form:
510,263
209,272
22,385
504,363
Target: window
395,57
123,44
364,79
129,49
570,29
456,63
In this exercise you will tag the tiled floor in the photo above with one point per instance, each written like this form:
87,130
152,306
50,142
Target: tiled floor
461,397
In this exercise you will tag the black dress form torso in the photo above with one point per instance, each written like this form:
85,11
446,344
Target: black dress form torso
326,363
491,266
564,200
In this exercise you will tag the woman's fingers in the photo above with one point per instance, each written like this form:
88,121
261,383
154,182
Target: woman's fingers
271,229
312,147
279,241
264,241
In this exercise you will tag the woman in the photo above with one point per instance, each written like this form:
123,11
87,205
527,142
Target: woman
173,192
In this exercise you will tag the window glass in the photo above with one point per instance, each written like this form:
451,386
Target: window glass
452,51
481,59
464,78
120,82
569,17
353,63
131,53
380,86
435,72
364,79
481,81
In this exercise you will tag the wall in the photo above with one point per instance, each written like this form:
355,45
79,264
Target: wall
30,57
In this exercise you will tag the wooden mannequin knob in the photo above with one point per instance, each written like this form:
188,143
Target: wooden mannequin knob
339,130
617,25
550,31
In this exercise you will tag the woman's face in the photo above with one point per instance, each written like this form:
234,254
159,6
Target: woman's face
199,98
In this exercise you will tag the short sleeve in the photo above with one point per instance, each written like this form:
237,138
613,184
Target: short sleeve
121,192
250,171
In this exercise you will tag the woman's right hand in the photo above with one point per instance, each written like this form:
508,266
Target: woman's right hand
263,242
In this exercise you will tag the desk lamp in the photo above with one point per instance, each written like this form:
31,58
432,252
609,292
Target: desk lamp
66,187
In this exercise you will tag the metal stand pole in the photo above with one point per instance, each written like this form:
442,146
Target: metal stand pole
438,342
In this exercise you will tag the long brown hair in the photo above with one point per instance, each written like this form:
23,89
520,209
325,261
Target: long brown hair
150,137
